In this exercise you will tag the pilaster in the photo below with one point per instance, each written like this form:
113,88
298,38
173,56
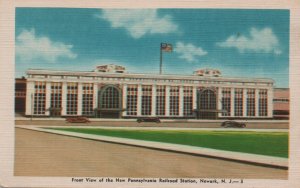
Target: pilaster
79,99
167,101
153,106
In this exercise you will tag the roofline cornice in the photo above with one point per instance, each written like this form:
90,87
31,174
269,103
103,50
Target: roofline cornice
147,76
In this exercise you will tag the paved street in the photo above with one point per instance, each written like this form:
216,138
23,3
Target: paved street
44,154
179,123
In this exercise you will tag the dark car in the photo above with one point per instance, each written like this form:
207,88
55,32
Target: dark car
227,124
148,119
78,120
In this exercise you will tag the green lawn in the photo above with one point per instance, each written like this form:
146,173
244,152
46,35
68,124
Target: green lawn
264,143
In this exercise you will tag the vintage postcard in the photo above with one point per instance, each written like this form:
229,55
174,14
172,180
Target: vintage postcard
140,94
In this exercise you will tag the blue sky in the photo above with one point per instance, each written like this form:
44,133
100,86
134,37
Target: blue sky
240,43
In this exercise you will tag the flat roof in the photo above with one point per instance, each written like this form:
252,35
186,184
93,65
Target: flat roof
145,75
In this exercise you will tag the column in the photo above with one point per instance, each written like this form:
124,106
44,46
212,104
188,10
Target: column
153,106
79,99
194,98
244,102
232,102
124,99
95,96
181,97
270,102
64,99
29,98
194,101
167,101
139,100
220,101
48,98
256,102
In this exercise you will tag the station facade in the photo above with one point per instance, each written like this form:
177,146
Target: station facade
110,92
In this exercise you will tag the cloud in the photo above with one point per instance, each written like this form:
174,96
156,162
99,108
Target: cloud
262,40
31,47
189,52
139,22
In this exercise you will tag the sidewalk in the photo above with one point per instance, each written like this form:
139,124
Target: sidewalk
263,160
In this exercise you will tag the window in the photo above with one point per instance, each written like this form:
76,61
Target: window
56,93
238,102
226,101
132,100
174,101
160,100
72,93
146,100
188,101
39,98
87,99
110,98
251,102
281,100
263,102
207,100
206,104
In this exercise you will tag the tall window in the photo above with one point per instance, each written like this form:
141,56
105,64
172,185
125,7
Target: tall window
72,93
226,101
263,102
132,100
146,100
238,102
207,100
39,98
87,99
174,101
110,98
188,101
160,100
251,102
56,92
207,104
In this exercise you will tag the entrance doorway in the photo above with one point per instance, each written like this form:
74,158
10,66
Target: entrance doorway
55,112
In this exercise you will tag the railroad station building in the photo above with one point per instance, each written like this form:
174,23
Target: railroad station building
109,91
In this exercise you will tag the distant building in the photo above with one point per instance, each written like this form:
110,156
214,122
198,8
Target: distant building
281,103
20,95
110,92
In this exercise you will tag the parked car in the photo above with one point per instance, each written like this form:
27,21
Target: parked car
78,119
148,119
227,124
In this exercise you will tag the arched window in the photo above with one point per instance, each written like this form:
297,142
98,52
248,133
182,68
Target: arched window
207,104
207,100
110,98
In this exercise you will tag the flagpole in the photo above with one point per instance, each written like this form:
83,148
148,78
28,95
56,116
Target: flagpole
160,65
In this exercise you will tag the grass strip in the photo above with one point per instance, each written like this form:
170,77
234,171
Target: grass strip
263,143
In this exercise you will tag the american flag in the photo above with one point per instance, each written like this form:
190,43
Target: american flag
166,47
